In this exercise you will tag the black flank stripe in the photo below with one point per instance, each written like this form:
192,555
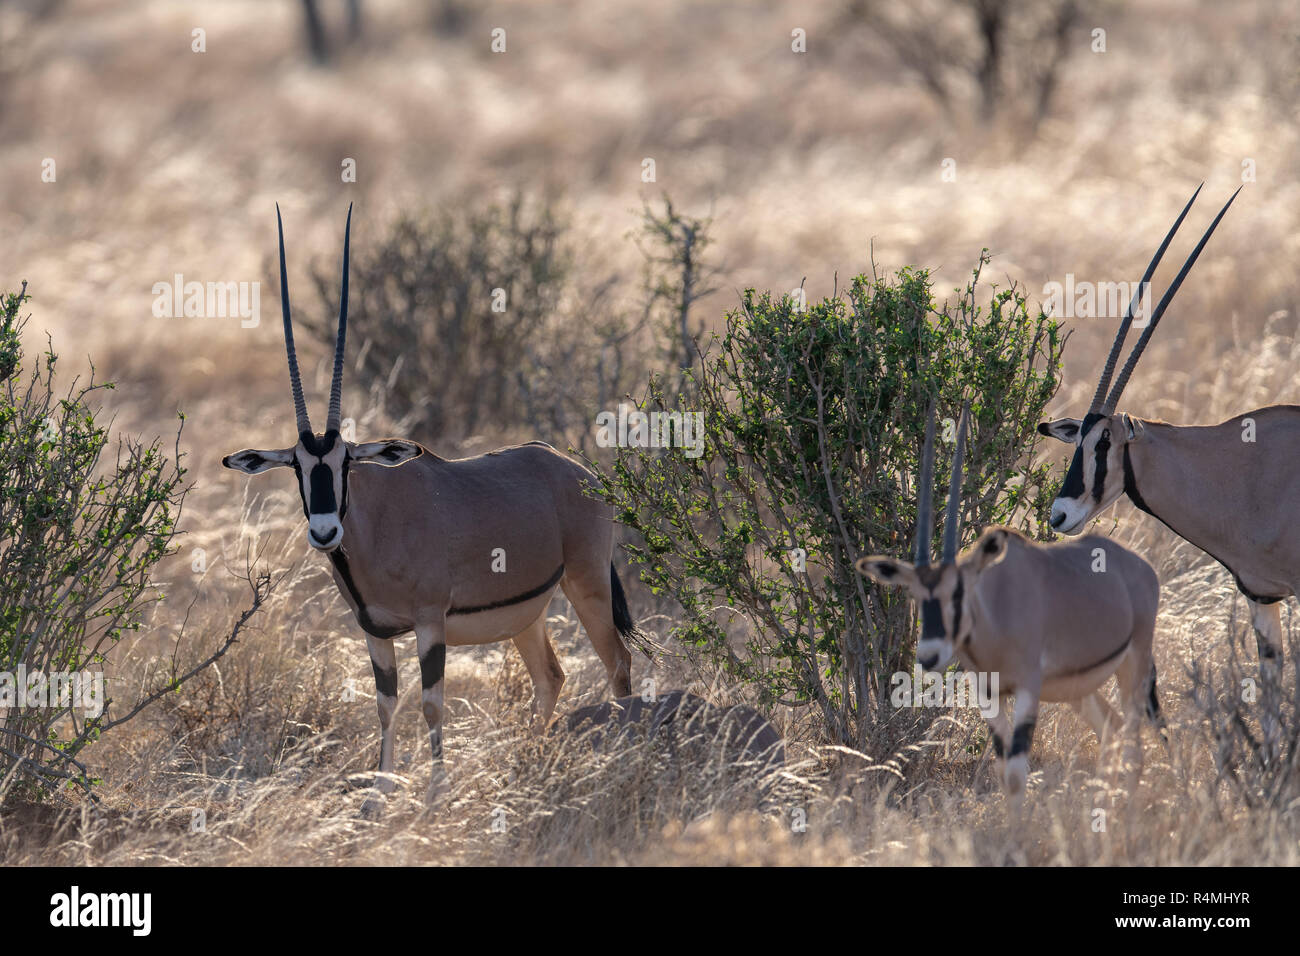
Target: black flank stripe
1109,657
517,599
340,562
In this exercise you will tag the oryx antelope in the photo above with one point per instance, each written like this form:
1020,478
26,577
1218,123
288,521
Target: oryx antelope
1053,621
466,551
1231,489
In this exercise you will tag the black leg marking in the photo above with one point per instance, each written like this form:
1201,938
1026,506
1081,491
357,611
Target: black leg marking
385,680
432,665
999,748
1266,650
1022,739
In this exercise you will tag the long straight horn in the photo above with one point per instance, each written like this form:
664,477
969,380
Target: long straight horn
336,386
925,497
1124,325
295,383
952,514
1113,398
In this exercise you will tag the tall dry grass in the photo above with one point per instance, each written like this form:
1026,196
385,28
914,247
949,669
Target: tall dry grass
170,161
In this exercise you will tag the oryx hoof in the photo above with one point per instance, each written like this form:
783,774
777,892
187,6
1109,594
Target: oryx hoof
439,789
1014,776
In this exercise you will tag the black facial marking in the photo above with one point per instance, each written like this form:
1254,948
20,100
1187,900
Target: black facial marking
517,599
931,619
322,490
1022,738
319,447
432,665
1072,487
253,460
1073,484
297,473
385,680
1102,451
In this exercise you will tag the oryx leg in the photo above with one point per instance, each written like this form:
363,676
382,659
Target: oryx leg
1134,675
1267,621
431,645
1101,717
383,660
591,595
1016,770
1000,734
543,667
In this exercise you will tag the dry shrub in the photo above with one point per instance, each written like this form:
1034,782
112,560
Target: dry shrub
1234,704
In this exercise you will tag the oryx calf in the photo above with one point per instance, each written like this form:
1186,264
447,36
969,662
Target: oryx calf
468,551
1053,621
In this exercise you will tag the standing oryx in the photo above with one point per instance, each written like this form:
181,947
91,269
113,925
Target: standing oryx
1052,621
460,552
1232,489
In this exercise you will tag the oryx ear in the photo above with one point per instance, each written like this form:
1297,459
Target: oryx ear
989,549
254,461
888,571
388,452
1133,430
1063,429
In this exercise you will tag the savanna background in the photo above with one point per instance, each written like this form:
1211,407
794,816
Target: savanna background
808,167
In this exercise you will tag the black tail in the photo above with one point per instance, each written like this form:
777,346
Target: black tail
1153,707
623,617
1153,701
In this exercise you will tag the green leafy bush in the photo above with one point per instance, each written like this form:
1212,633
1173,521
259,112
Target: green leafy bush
813,421
82,527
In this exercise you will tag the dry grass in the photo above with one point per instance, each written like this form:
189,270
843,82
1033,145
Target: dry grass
170,161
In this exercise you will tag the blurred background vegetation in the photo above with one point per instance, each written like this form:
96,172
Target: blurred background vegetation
905,134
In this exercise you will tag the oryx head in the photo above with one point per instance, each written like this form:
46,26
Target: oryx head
941,592
1096,475
320,461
